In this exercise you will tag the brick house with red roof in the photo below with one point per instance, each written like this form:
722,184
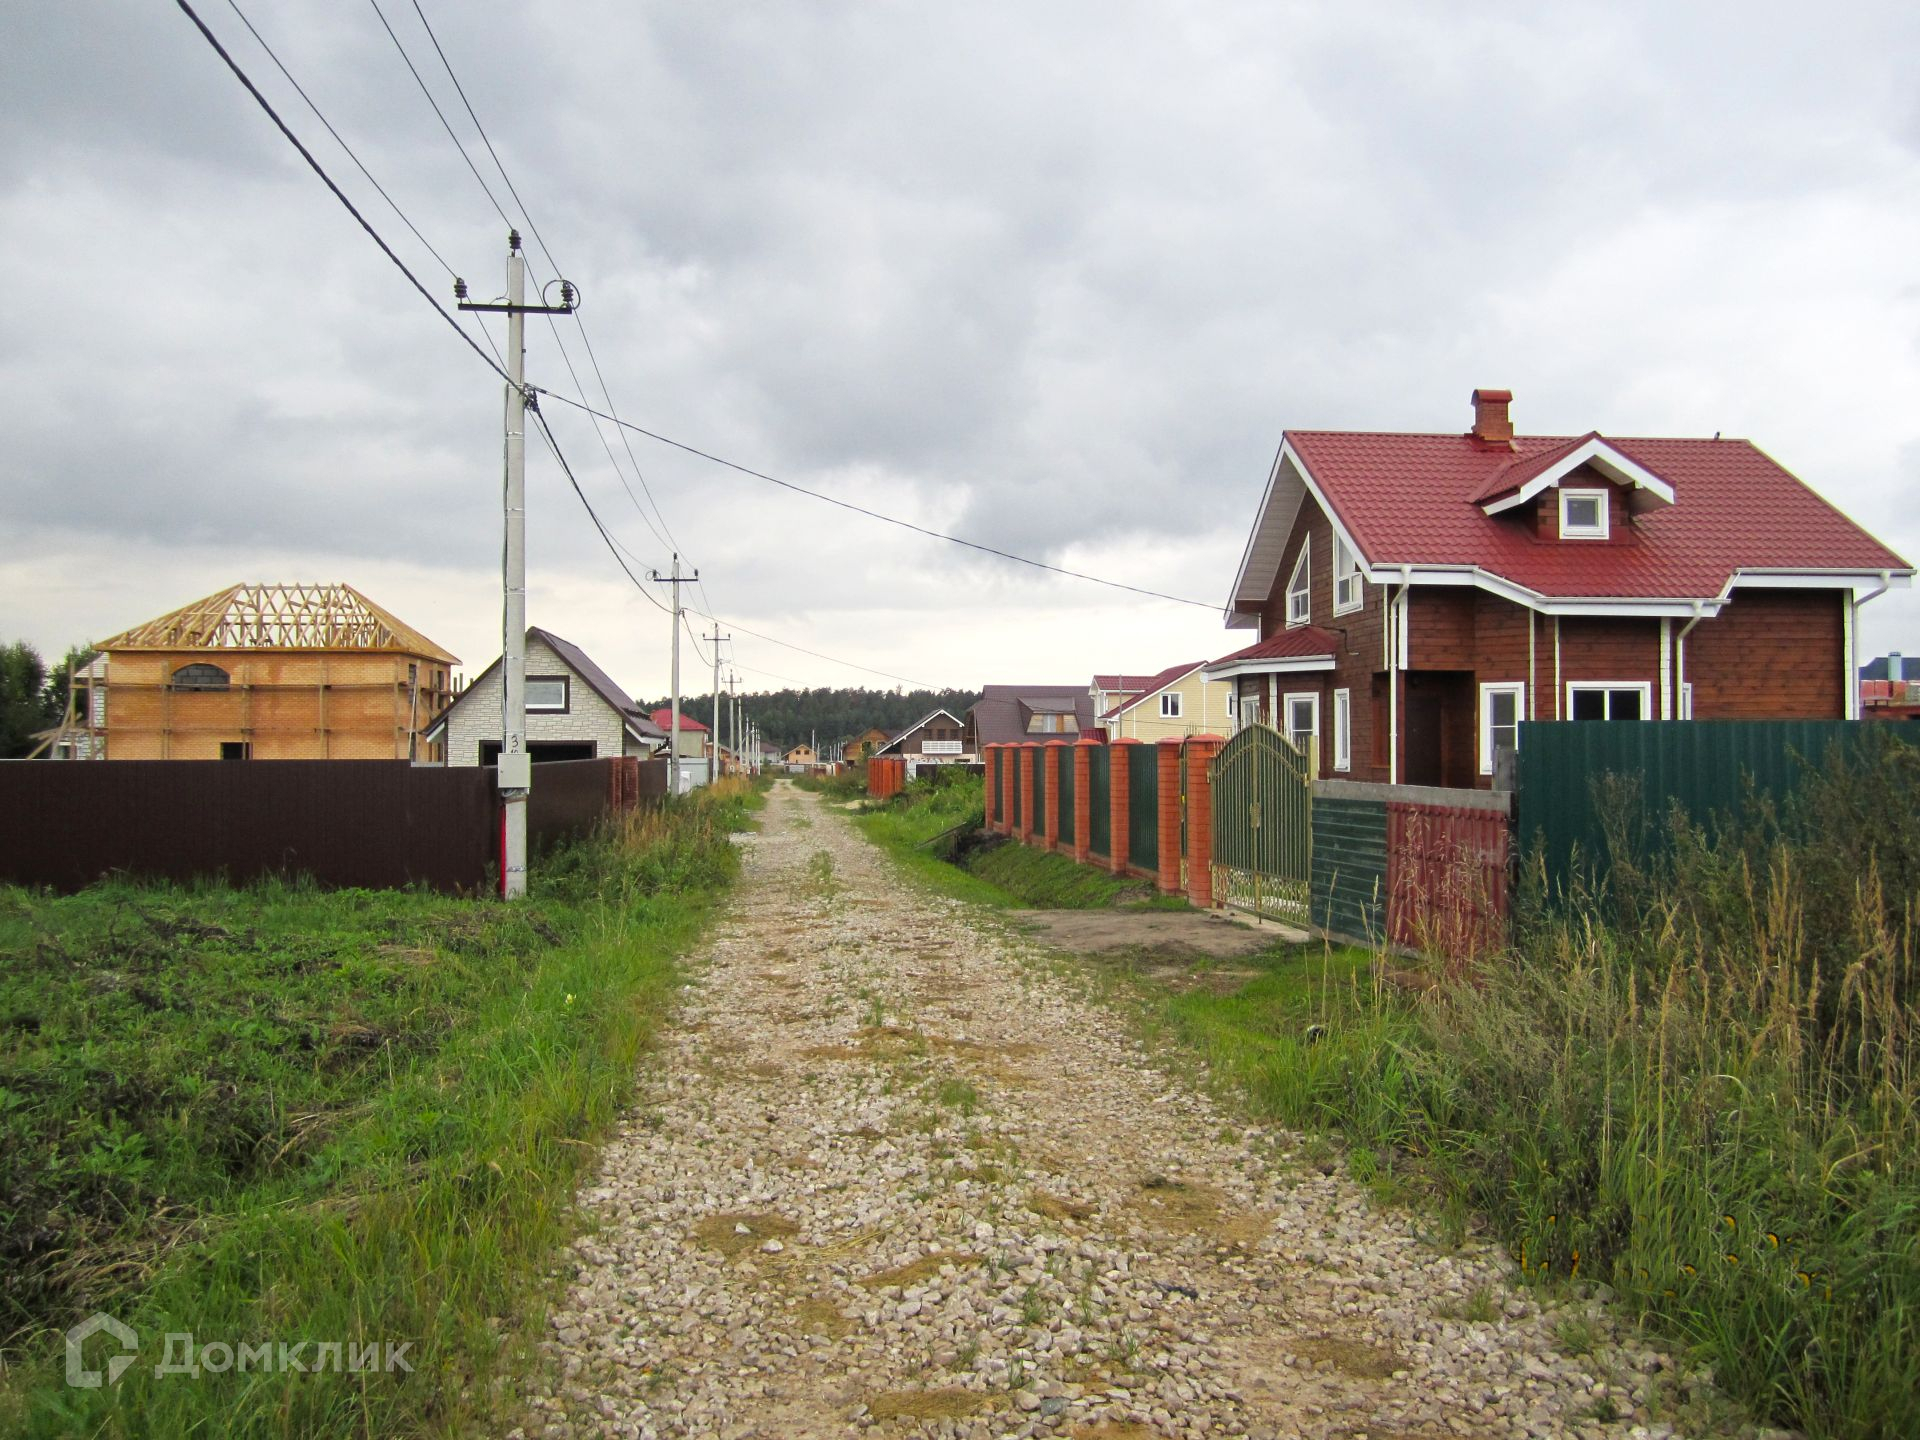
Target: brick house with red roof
1417,596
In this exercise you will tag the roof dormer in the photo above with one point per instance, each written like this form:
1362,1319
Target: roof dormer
1580,472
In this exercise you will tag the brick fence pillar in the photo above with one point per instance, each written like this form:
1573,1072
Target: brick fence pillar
1007,767
992,794
1119,793
1200,752
1169,880
1026,753
1082,799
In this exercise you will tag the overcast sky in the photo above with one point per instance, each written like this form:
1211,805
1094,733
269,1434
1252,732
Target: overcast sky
1052,276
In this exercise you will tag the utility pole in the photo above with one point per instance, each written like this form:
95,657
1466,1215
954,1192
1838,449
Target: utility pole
733,720
514,771
676,580
713,761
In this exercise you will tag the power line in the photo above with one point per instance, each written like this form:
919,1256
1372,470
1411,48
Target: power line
341,141
875,514
338,193
668,539
614,546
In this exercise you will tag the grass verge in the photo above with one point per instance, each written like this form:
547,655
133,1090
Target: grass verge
1700,1087
280,1115
932,828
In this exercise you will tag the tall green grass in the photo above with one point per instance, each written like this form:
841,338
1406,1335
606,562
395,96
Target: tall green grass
1700,1086
280,1114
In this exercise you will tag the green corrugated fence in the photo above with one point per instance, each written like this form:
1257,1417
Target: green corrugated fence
1705,766
1099,801
1349,889
1143,806
1061,757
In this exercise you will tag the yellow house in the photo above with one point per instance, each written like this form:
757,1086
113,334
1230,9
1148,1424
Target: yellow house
801,755
1179,701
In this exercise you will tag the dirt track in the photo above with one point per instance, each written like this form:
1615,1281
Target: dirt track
898,1169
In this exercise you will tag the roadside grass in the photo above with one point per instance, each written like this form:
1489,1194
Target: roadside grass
285,1115
839,788
1698,1086
932,827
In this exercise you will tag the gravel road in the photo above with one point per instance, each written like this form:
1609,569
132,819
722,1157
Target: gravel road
897,1171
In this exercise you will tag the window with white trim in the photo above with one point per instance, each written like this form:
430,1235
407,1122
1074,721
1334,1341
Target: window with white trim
1170,705
1583,514
1502,707
1342,730
1346,577
1302,714
547,694
1610,700
1300,588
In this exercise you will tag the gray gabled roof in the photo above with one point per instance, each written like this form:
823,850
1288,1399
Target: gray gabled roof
581,664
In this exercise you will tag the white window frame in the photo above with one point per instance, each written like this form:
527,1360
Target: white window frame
1645,687
1312,697
565,683
1172,702
1300,587
1596,531
1518,690
1343,730
1346,566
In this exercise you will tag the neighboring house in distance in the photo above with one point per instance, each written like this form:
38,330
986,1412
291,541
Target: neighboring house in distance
939,738
1111,690
1008,714
864,744
693,735
1417,596
1180,700
800,756
574,711
1890,688
268,672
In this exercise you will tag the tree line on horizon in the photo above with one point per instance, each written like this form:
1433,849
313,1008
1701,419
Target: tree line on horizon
33,696
788,717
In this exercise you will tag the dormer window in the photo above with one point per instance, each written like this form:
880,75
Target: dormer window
1583,514
1299,590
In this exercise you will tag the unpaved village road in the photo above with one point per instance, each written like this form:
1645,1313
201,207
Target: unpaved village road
895,1171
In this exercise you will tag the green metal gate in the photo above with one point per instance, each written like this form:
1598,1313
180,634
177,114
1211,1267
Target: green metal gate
1263,824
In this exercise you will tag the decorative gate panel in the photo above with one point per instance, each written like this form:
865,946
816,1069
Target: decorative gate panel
1263,824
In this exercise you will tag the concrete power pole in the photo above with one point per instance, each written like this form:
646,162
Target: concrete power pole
713,761
676,580
514,770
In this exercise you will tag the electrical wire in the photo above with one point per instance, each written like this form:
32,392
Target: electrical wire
359,164
614,546
875,514
668,539
338,194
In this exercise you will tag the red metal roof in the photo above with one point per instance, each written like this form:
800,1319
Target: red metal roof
663,718
1411,499
1301,642
1135,683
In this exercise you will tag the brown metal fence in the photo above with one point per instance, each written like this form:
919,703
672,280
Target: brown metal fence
1447,878
376,824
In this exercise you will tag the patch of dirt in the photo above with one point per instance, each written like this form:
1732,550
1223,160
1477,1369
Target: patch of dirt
1190,1208
926,1404
1166,932
822,1317
831,1052
1115,1430
1055,1207
1350,1357
739,1231
914,1271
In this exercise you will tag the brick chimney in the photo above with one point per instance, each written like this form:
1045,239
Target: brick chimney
1491,422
